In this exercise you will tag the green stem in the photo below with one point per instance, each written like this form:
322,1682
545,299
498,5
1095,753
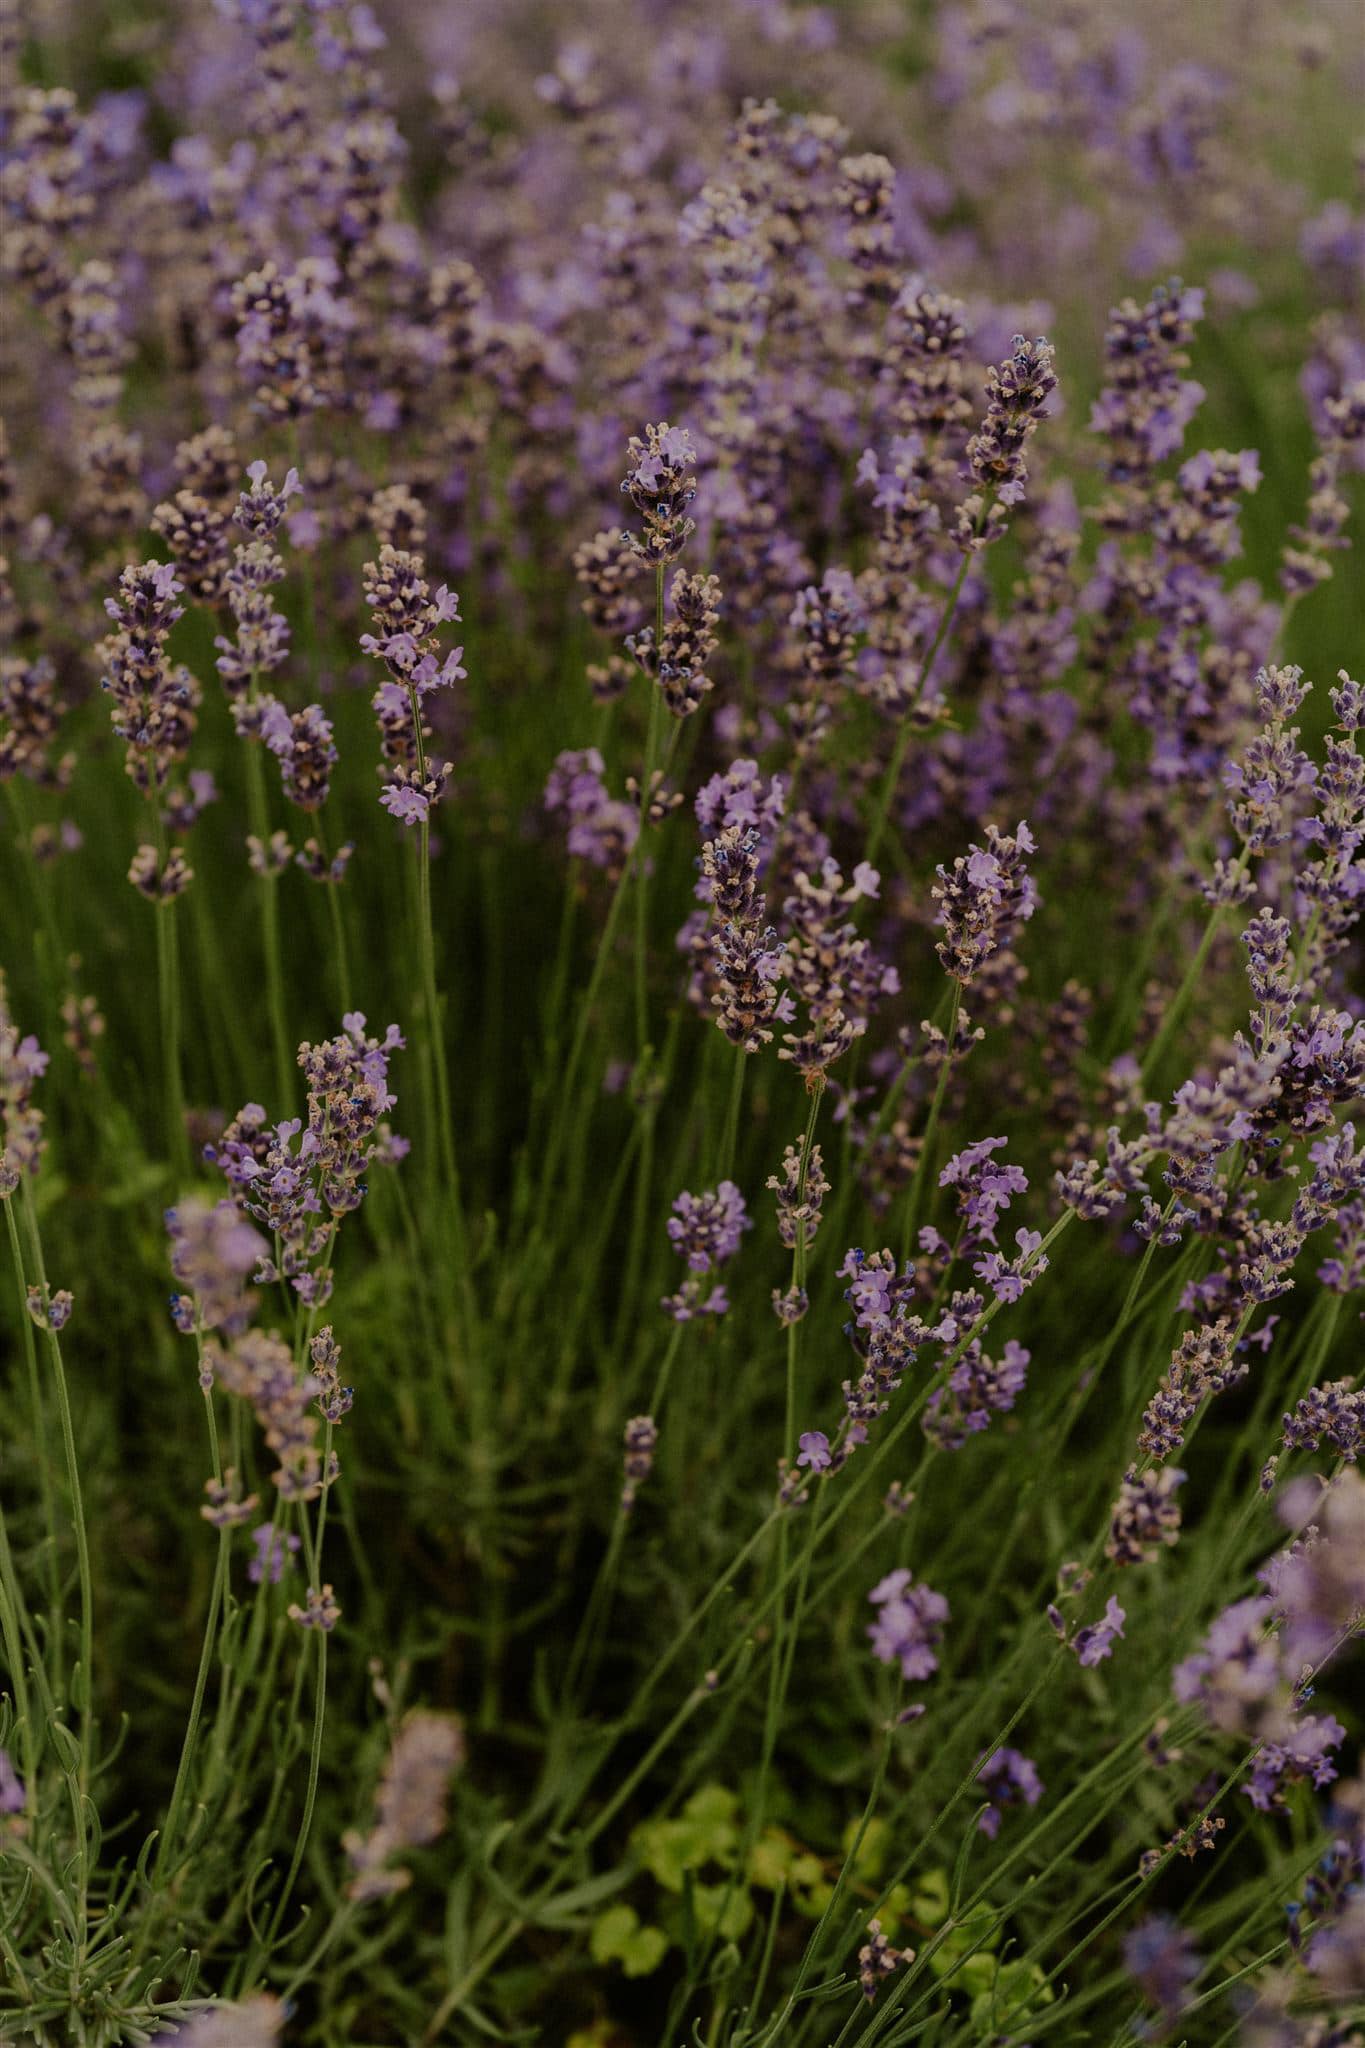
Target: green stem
924,1164
168,989
339,941
729,1135
85,1690
56,1626
259,814
1175,1010
893,773
220,1570
642,865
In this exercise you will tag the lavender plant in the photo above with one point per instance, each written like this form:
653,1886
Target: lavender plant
847,1529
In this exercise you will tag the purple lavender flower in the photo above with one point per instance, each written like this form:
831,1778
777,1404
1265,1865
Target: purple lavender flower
679,666
741,799
1093,1643
813,1450
985,1190
407,617
1237,1669
273,1549
660,488
51,1309
978,1387
302,743
1301,1751
798,1207
1320,1585
1145,1516
982,900
1009,1779
1332,1414
1263,786
1016,392
428,1748
262,642
602,829
1161,1959
22,1063
1146,405
706,1230
297,1180
213,1249
740,961
909,1626
11,1786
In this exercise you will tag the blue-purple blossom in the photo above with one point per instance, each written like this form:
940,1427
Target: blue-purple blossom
602,829
1095,1641
1162,1961
977,1388
1237,1669
985,1191
706,1231
1009,1778
813,1450
1300,1751
909,1624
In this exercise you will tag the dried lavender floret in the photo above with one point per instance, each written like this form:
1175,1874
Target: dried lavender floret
877,1960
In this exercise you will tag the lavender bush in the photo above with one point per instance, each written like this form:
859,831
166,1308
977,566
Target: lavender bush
682,1028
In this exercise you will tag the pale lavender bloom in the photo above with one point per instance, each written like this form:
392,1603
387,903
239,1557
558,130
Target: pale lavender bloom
11,1786
660,488
813,1450
909,1627
213,1250
406,803
707,1229
1237,1669
985,1190
1095,1642
254,2022
1320,1585
410,1808
602,828
273,1551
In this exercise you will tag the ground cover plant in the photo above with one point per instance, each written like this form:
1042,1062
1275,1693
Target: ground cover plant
682,1035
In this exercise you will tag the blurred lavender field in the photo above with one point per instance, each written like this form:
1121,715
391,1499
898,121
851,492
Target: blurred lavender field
682,1023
